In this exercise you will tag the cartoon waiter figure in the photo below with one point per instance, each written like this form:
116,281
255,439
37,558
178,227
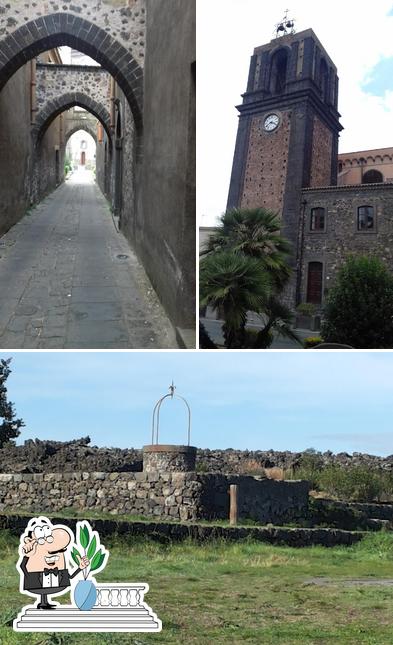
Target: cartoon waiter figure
42,560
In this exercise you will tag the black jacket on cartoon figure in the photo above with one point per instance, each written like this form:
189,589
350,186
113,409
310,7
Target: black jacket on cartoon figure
34,580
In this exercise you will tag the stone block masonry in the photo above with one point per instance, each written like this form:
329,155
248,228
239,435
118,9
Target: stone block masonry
175,495
54,81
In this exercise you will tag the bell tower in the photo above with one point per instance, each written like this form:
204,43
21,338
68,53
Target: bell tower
288,129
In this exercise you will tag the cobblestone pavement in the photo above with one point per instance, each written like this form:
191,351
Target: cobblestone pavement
69,280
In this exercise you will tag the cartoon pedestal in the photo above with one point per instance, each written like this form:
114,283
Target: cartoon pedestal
119,608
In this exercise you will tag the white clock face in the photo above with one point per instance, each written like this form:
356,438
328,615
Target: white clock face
271,122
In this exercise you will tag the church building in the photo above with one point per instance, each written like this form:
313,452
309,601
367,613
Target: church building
286,160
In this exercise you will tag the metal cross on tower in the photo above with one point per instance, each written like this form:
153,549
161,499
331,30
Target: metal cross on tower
285,26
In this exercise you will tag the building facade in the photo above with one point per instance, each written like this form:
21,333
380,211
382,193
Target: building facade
286,160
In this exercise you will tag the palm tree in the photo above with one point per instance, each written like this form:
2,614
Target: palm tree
256,233
236,284
278,318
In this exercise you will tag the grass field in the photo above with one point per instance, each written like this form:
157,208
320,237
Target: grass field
246,592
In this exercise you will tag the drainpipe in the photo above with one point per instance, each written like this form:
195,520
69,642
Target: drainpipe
33,97
300,253
112,115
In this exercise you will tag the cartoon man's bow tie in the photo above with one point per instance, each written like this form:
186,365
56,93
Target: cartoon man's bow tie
47,572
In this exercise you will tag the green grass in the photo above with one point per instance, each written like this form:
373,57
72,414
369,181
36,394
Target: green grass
243,592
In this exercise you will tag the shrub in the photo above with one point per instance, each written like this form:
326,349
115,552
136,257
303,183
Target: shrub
359,310
306,309
312,341
276,473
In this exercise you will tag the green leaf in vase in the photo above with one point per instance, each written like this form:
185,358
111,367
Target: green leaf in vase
92,548
84,536
75,555
97,561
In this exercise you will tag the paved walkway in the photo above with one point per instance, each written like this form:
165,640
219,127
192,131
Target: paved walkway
69,280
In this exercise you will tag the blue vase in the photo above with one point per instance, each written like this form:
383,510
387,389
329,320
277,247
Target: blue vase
85,595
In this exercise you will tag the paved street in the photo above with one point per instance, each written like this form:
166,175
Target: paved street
68,279
213,328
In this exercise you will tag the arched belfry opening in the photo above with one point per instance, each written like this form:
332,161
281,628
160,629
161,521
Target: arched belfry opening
278,71
324,80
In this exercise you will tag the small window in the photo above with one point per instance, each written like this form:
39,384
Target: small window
314,283
317,222
365,218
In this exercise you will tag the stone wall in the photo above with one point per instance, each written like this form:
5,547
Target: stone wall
165,224
55,456
262,500
16,153
321,156
167,532
54,81
184,496
266,165
22,182
341,238
122,19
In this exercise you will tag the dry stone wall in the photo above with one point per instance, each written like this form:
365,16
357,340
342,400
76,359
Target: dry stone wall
176,495
36,456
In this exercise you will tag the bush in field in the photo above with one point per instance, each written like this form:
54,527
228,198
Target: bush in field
309,468
357,483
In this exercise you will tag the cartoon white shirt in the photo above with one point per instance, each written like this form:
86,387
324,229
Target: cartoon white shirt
50,580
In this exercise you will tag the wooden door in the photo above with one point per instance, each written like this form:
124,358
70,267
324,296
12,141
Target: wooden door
314,283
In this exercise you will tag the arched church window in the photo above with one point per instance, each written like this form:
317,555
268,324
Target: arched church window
365,218
314,283
278,71
317,221
372,177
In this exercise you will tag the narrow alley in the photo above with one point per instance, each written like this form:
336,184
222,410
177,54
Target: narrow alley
69,279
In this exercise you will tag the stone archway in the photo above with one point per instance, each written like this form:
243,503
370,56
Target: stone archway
77,128
58,29
62,103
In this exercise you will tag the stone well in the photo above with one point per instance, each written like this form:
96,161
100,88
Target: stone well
169,458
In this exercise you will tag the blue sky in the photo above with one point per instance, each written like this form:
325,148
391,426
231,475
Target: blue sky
380,79
281,400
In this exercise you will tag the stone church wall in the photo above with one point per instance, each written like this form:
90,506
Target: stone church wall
175,495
